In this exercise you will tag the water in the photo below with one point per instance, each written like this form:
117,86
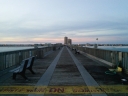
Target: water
5,49
114,48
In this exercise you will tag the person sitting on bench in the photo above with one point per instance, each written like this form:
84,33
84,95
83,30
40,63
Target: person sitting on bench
76,51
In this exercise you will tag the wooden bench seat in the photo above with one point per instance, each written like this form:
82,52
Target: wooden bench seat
76,51
21,70
25,64
30,64
73,48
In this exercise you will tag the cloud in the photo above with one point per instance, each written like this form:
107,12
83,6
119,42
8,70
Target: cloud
33,31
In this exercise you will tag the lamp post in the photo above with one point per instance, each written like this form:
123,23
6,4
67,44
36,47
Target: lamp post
96,45
97,41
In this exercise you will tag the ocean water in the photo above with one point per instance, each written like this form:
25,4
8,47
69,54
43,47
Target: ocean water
5,49
114,48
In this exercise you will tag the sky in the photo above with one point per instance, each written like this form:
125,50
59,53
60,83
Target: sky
49,21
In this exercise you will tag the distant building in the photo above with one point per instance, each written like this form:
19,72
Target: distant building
65,40
69,41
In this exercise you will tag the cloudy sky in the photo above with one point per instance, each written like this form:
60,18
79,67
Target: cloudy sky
49,21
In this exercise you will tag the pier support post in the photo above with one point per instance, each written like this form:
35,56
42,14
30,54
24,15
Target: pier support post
125,62
2,61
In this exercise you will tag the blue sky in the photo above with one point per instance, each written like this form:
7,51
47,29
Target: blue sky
49,21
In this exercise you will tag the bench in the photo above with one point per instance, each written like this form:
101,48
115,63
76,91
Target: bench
20,70
76,51
59,48
25,64
73,48
30,64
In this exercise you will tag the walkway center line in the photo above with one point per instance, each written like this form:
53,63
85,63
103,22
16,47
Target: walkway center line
45,79
88,79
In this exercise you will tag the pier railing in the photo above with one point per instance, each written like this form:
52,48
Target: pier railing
10,58
116,58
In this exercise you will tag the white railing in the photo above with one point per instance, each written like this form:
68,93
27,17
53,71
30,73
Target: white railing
115,57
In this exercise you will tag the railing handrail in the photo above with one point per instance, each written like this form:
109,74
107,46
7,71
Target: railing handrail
22,50
112,56
109,49
11,58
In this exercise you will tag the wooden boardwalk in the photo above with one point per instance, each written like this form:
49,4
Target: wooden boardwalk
65,68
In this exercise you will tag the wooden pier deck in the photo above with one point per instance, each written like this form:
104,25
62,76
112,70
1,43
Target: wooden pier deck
65,69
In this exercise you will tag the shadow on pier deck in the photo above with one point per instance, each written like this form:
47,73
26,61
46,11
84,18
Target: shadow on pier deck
65,68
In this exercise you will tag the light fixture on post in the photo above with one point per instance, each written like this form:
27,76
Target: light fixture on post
97,41
96,45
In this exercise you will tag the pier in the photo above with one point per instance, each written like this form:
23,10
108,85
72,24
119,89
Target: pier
62,72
